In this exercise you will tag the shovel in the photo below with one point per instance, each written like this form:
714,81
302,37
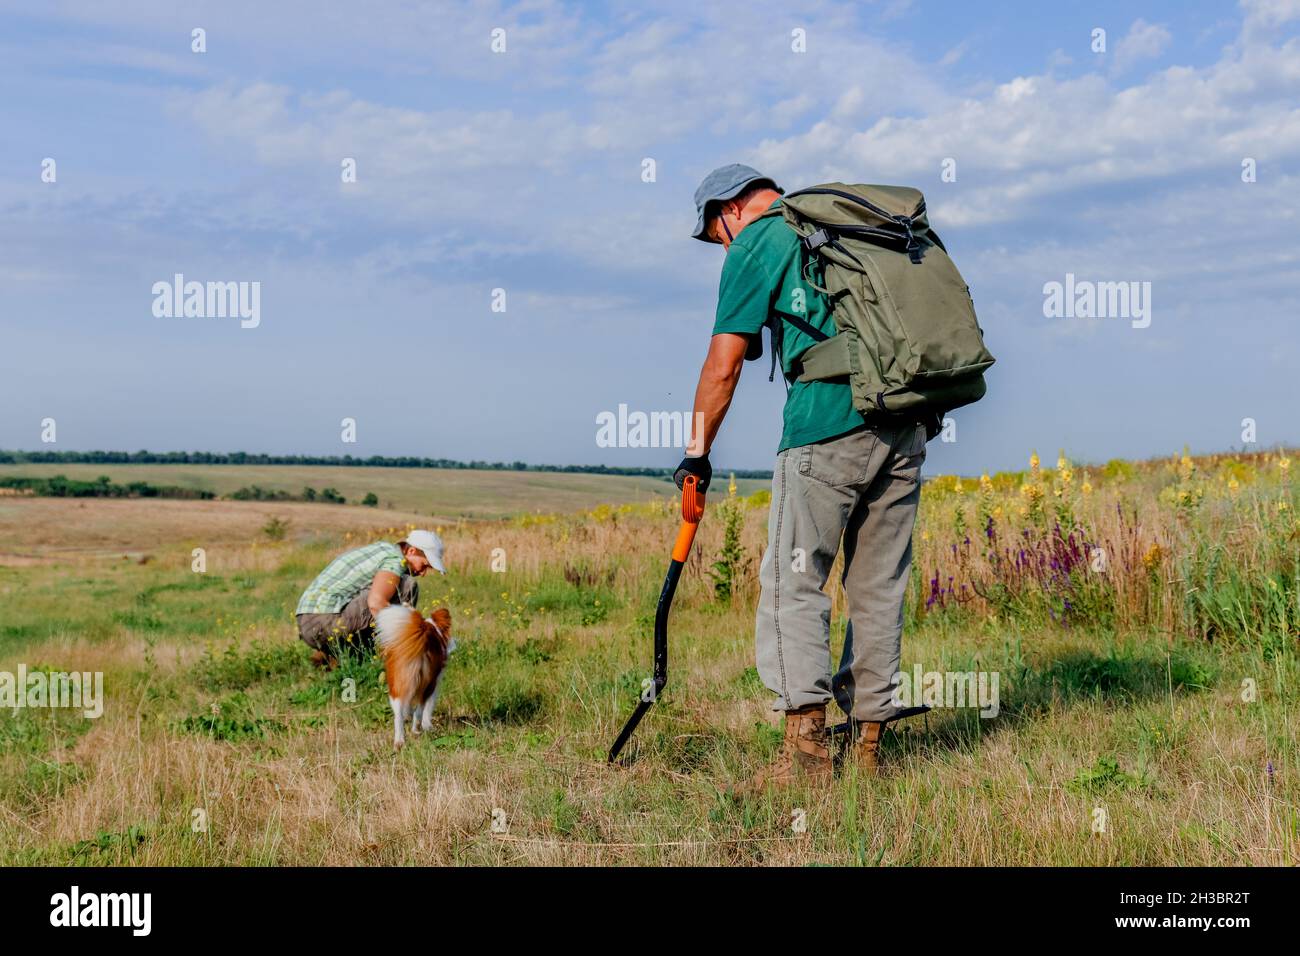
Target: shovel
692,512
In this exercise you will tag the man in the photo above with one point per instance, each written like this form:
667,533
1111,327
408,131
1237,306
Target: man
836,475
339,607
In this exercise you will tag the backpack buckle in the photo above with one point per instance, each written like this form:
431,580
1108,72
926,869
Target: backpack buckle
818,239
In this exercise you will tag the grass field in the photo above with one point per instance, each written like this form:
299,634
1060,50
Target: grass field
447,493
1143,619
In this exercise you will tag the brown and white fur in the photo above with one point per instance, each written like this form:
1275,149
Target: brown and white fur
415,650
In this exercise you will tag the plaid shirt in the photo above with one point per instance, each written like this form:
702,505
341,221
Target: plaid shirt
348,575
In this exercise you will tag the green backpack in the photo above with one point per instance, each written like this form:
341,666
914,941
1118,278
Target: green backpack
908,339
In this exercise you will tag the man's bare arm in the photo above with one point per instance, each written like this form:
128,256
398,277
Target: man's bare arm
718,379
382,589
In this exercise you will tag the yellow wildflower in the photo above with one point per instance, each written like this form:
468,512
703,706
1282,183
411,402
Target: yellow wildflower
1031,491
1152,557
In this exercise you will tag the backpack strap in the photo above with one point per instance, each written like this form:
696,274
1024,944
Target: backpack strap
776,325
807,328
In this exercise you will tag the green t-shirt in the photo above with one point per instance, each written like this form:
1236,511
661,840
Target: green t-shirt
761,277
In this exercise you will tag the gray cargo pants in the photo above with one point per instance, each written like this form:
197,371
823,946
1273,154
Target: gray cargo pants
328,632
863,486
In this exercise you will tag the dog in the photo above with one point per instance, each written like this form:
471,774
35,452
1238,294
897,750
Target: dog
415,650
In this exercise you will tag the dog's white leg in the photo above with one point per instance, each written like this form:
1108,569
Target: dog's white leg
414,711
399,724
426,717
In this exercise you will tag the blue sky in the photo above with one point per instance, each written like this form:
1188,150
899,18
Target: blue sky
522,170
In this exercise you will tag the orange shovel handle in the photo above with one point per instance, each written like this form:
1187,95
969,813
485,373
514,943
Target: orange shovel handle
692,512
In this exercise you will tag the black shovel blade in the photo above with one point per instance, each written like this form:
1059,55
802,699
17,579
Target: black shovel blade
847,726
661,656
630,726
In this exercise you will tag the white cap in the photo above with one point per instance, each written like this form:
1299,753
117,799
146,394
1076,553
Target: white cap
431,545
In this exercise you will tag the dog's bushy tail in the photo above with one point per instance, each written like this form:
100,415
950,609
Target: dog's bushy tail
399,630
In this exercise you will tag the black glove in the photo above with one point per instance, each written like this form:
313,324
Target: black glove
699,467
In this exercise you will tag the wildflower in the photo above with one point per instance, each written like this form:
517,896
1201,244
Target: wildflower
1284,463
1233,485
1153,557
1033,461
1087,487
986,483
1031,491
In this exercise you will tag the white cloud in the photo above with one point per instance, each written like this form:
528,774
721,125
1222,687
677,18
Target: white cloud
1143,41
1270,13
1036,137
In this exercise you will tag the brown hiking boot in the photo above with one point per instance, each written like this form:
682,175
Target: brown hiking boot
867,750
803,752
321,659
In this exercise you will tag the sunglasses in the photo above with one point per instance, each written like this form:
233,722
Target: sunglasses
713,228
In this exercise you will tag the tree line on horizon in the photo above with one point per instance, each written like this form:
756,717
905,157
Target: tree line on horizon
374,461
